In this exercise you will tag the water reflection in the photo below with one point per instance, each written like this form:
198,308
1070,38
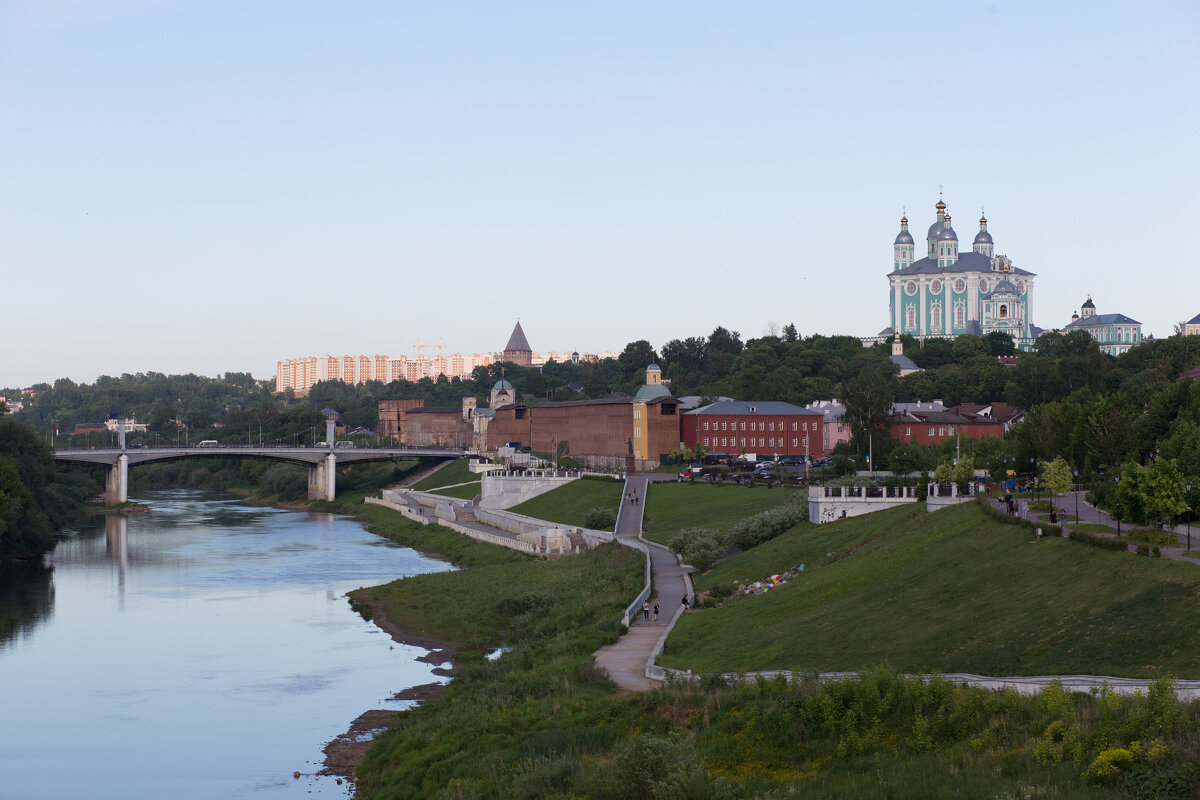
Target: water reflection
202,649
26,598
116,536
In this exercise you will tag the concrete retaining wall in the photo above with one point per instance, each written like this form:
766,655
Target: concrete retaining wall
829,503
508,489
402,508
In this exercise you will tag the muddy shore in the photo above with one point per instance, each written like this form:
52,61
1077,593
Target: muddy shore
345,752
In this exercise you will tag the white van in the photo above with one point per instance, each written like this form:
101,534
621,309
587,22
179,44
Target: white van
209,443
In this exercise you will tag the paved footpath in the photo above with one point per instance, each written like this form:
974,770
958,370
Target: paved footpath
626,658
1090,515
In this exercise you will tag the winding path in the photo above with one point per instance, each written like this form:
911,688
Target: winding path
627,659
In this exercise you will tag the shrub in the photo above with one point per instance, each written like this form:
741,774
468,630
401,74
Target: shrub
1143,550
753,531
600,519
699,547
1098,541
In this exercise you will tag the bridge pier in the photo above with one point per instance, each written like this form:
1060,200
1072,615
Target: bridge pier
116,482
322,479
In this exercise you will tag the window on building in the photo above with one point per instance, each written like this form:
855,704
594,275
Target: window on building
931,431
908,431
760,442
941,431
795,424
722,441
706,426
706,441
795,442
743,424
722,426
743,441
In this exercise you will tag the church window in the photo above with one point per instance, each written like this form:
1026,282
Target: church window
936,286
1003,312
910,317
935,316
959,285
960,315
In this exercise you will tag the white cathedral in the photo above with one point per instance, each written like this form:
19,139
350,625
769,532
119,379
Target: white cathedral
948,293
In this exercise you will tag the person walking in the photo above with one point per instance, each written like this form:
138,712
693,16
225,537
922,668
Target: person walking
646,611
685,602
656,612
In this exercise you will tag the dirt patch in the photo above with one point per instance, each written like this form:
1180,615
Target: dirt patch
346,751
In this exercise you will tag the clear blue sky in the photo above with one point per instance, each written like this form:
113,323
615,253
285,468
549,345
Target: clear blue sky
213,186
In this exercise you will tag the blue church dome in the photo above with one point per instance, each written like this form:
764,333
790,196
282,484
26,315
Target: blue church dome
502,384
947,234
983,237
904,237
1006,287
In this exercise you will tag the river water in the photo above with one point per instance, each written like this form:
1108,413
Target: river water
204,650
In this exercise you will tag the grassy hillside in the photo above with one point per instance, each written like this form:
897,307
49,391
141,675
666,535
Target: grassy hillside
567,504
541,722
671,507
453,473
947,592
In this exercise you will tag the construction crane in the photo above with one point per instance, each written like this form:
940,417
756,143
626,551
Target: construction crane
421,348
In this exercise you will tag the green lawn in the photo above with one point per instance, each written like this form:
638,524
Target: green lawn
671,507
567,504
952,591
454,472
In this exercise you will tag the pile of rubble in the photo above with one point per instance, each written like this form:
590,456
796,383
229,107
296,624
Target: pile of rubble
773,582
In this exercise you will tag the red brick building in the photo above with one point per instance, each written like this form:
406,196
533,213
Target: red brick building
764,428
438,426
611,426
933,427
393,418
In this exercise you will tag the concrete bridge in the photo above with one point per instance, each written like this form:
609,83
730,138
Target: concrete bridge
322,461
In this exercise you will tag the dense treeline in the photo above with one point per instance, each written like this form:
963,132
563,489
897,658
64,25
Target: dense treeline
34,499
1098,412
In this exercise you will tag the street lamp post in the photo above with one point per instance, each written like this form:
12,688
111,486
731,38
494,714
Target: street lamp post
1075,487
1187,489
1117,504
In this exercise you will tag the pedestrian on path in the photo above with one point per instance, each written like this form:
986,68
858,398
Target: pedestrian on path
656,612
685,602
646,611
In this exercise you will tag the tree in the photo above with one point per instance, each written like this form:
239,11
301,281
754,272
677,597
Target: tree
595,382
1000,343
1163,491
868,399
789,332
1057,476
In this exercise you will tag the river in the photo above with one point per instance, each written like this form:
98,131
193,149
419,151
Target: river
204,649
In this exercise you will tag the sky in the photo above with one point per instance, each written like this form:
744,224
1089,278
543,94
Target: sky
209,186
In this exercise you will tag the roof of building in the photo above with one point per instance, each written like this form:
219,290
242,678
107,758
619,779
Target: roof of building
1193,321
652,390
947,234
1005,287
1191,374
904,237
654,368
967,262
983,237
690,401
1101,319
502,384
773,407
599,401
517,341
904,363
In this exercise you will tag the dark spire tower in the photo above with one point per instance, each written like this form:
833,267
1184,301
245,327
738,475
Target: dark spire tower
518,350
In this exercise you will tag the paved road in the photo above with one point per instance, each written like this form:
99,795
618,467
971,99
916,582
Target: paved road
1090,515
626,658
